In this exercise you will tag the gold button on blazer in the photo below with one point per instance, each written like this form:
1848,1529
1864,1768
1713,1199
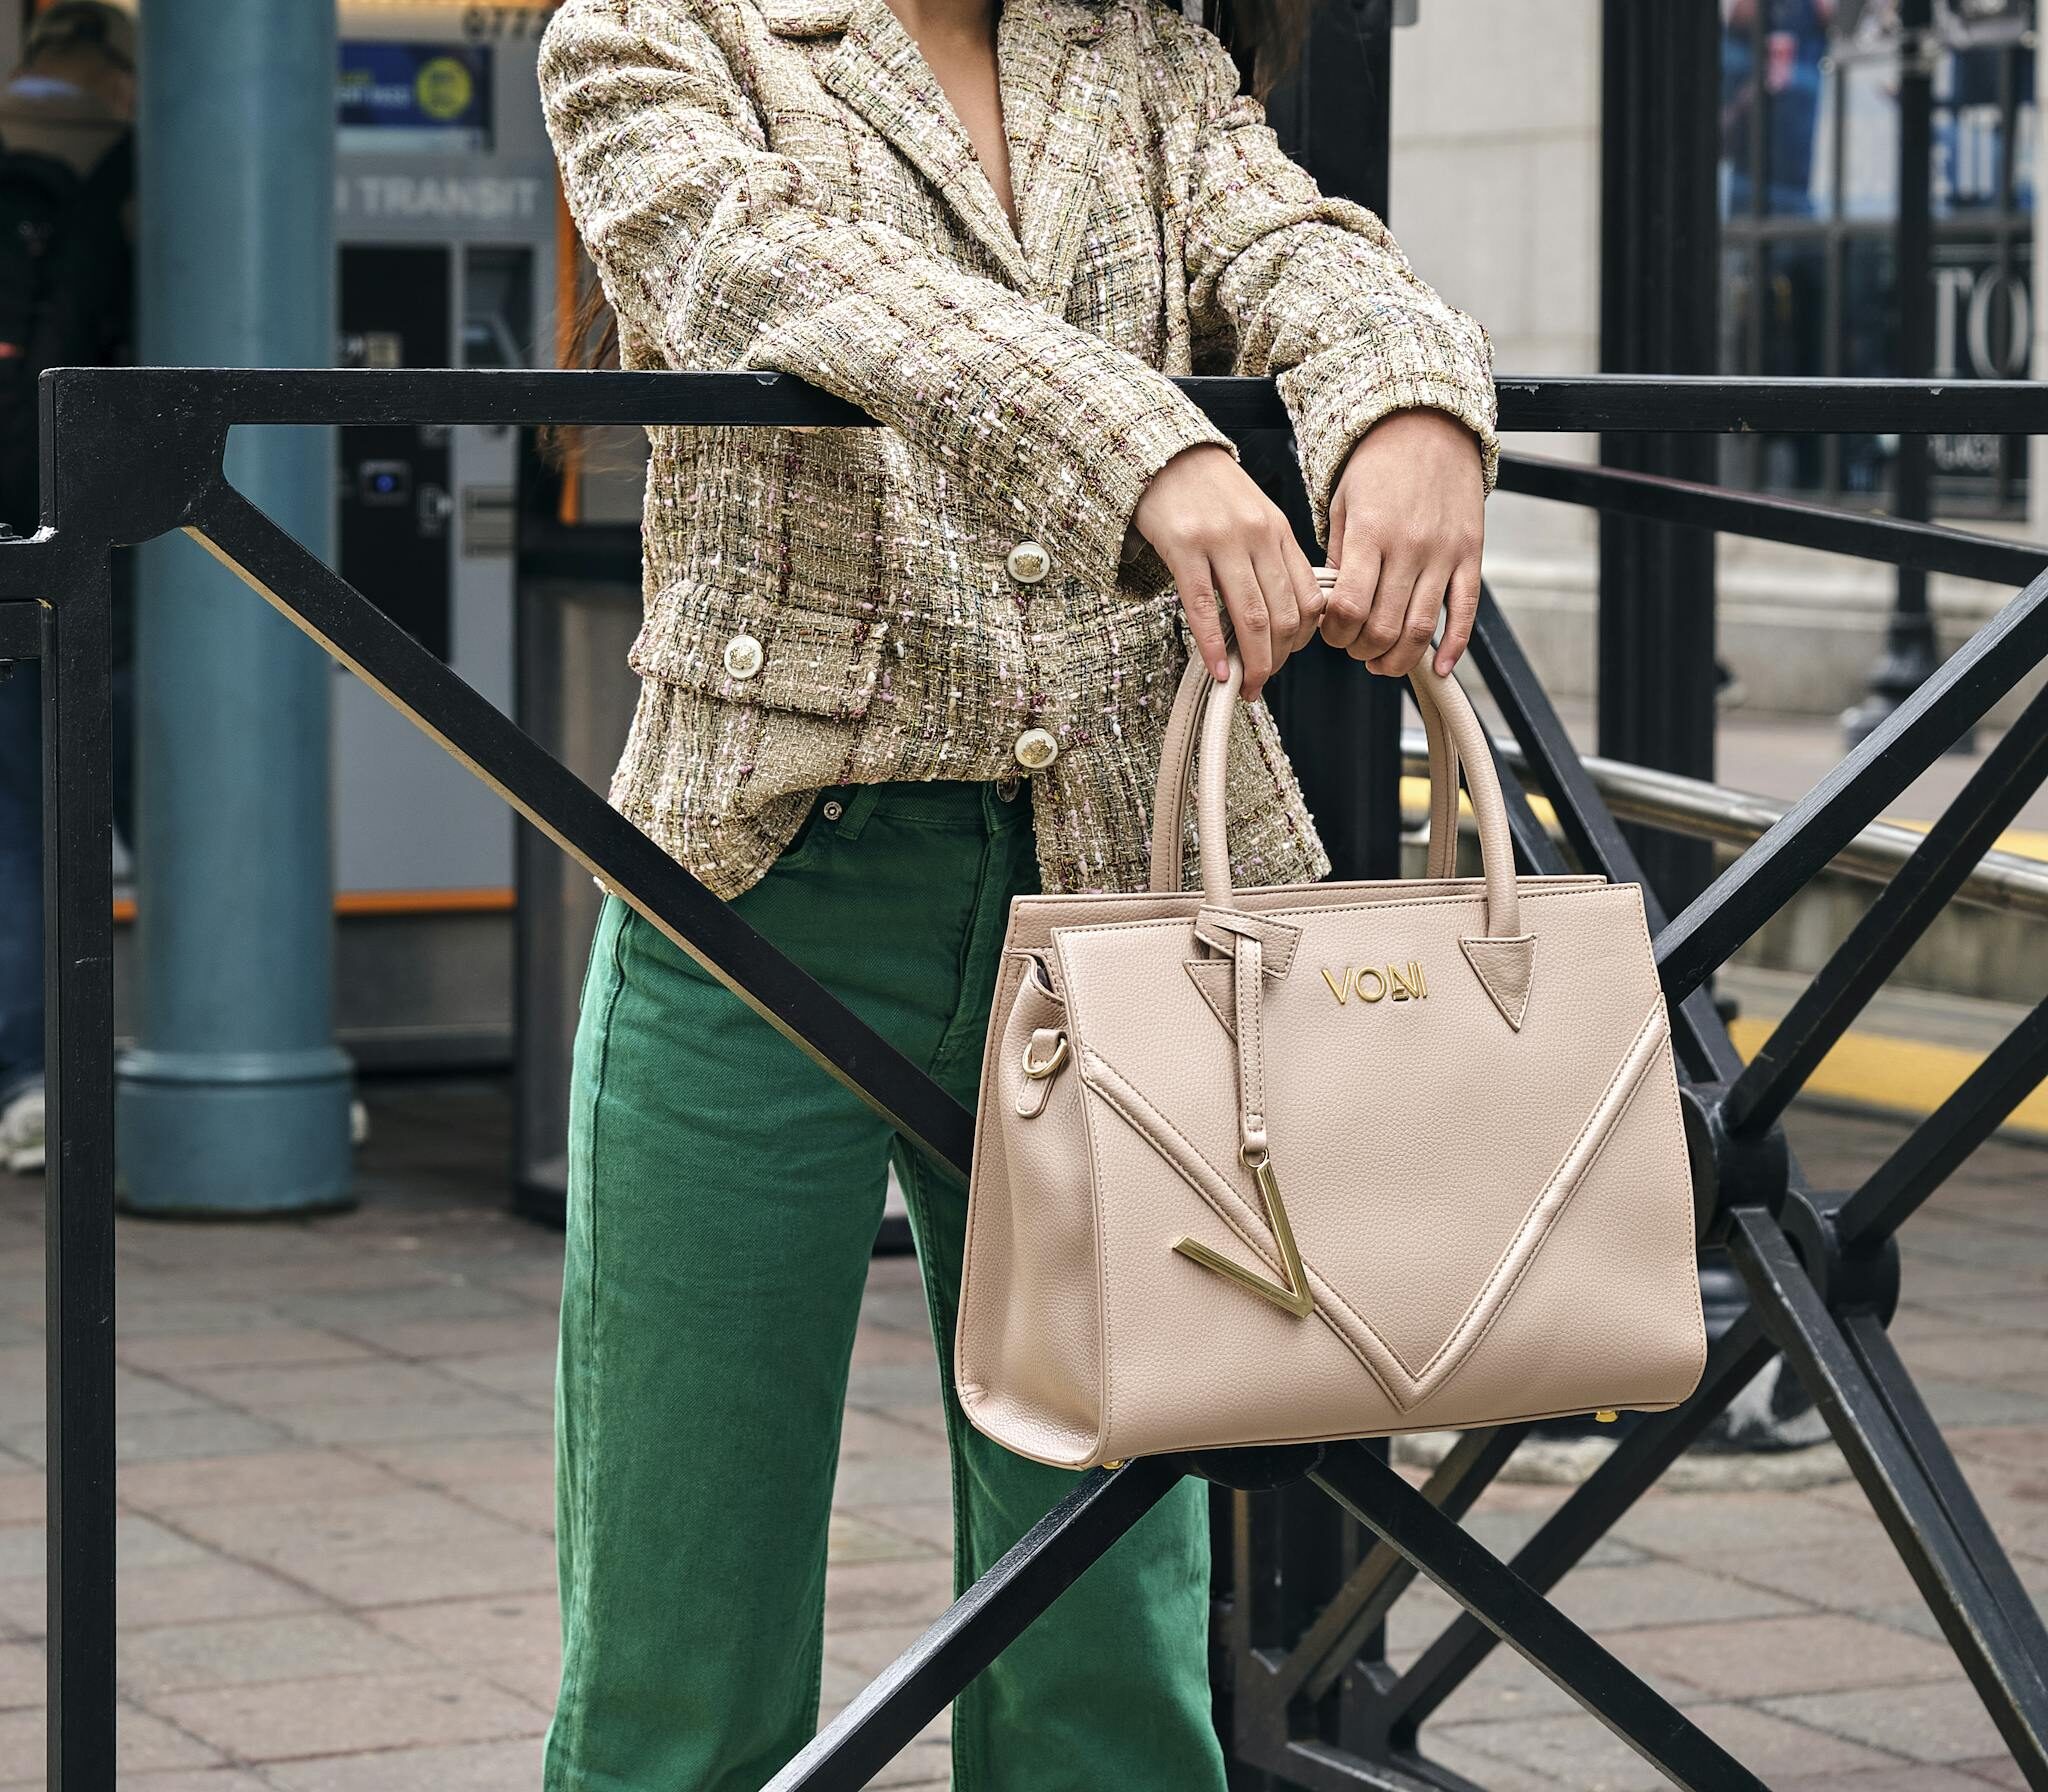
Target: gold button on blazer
783,185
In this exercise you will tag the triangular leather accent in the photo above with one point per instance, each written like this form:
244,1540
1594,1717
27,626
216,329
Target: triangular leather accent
1505,968
1214,978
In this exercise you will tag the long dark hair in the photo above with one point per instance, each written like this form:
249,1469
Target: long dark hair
1264,36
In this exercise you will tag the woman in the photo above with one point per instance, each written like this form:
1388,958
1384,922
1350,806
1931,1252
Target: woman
891,678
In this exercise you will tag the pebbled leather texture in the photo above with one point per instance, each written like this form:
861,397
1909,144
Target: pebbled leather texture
1463,1088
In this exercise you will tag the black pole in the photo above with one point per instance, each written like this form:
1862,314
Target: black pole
1910,651
1659,277
1342,725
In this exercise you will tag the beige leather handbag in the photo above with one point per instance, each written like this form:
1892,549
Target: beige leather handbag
1321,1161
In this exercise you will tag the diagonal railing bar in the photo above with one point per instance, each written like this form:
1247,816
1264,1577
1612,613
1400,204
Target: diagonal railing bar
1935,1148
1874,1348
1520,1616
1587,1514
1361,1604
1832,813
1890,927
429,694
1927,547
1993,1651
1553,760
884,1717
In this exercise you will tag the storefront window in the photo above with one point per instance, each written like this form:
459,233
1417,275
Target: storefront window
1809,202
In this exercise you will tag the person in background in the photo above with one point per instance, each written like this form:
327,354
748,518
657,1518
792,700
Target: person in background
67,232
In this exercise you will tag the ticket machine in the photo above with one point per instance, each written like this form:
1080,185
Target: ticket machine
445,222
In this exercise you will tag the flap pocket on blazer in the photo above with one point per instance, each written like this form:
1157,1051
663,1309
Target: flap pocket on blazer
779,655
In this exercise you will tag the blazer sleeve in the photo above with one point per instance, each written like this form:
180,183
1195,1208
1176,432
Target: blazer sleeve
728,255
1313,290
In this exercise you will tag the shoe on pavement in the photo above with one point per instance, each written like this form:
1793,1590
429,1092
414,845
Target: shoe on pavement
21,1133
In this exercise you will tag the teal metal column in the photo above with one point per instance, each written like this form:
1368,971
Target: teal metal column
236,1097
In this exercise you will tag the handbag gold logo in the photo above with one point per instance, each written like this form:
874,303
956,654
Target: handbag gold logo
1375,983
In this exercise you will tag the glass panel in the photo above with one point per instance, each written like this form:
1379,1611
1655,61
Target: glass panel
1795,44
497,298
1738,108
1983,319
1793,344
1869,98
1868,350
1969,130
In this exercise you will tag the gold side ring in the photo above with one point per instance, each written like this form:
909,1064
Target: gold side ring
1038,1072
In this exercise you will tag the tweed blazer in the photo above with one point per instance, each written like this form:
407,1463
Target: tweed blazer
783,185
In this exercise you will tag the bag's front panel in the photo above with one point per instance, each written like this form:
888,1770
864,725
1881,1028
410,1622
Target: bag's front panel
1427,1152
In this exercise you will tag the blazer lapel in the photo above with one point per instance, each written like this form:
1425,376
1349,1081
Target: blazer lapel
1055,97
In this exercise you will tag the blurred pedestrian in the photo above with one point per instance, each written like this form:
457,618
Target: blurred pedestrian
67,232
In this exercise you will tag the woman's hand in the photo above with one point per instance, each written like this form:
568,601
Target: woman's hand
1406,523
1220,536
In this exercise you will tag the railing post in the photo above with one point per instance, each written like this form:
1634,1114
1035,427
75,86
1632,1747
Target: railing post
236,1098
1660,271
78,1242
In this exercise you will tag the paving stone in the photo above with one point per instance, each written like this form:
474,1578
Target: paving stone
359,1422
301,1646
480,1563
1849,1577
866,1649
280,1533
476,1767
854,1539
209,1588
1711,1526
138,1543
527,1501
1579,1752
478,1632
915,1589
1610,1599
369,1380
891,1480
435,1338
1917,1778
23,1671
1940,1721
461,1461
195,1779
355,1715
284,1474
24,1498
1445,1744
271,1346
875,1434
926,1523
526,1372
1750,1658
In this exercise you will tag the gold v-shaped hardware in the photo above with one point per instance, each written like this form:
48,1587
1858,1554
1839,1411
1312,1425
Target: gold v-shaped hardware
1293,1295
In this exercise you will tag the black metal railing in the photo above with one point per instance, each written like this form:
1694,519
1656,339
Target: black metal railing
133,453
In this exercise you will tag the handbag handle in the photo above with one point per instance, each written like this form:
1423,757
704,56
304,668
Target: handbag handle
1205,710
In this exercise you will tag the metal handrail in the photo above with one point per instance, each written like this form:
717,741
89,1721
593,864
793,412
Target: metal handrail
2004,882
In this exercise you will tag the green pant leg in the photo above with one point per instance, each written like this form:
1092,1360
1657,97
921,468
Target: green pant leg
723,1199
1111,1686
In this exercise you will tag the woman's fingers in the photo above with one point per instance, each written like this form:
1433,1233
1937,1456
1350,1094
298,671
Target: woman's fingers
1250,621
1464,611
1388,617
1350,598
1271,565
1418,626
1199,599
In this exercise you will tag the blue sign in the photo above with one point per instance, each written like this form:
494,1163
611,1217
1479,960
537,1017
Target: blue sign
415,96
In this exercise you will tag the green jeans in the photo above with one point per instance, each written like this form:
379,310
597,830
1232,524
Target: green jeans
724,1195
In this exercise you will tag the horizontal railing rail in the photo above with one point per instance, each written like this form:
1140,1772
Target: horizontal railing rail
2005,882
132,453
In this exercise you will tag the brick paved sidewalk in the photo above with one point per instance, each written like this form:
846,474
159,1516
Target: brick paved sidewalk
337,1576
